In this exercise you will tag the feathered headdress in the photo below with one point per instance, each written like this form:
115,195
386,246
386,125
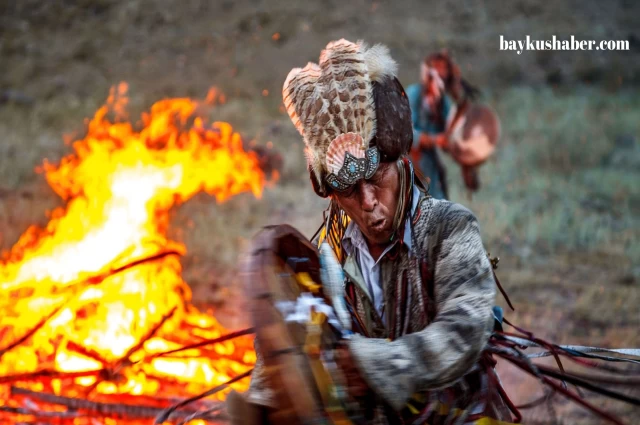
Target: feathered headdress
342,106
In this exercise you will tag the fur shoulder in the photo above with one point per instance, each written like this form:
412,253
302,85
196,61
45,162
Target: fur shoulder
436,220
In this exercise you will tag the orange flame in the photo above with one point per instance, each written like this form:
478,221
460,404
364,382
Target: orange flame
101,284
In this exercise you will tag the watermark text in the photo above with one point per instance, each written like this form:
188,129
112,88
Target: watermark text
555,43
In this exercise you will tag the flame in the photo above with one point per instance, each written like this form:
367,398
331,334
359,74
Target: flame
92,296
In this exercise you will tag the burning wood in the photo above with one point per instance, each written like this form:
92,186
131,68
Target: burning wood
106,409
95,301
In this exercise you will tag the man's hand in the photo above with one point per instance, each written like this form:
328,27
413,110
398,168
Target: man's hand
428,141
442,141
356,386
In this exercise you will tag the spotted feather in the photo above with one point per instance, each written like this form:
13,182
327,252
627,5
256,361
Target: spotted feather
335,97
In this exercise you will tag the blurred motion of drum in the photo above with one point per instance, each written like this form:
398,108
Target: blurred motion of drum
281,266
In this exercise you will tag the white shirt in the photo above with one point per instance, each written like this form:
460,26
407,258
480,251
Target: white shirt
355,244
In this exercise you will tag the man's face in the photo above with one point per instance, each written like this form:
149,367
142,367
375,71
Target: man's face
441,67
372,203
431,81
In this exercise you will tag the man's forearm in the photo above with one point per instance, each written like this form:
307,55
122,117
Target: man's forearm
430,359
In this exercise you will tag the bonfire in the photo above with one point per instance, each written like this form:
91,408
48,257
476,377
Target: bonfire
96,322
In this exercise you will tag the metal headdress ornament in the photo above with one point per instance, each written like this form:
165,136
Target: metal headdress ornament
332,106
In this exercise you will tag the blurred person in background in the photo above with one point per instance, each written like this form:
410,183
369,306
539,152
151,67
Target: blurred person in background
444,115
431,110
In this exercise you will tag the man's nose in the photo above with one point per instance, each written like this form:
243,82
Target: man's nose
368,198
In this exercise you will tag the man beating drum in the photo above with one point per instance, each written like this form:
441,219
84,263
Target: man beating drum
444,115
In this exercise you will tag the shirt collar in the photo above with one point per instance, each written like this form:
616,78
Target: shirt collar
354,239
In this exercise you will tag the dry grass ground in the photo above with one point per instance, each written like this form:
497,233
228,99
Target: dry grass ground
560,202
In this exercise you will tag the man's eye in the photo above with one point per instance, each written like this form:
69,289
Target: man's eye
376,179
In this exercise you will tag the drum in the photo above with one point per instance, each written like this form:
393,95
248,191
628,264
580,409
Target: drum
474,137
282,271
472,140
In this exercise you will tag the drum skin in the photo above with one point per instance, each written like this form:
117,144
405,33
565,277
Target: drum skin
277,253
474,138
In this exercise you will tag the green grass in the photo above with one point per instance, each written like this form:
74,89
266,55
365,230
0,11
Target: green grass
551,185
